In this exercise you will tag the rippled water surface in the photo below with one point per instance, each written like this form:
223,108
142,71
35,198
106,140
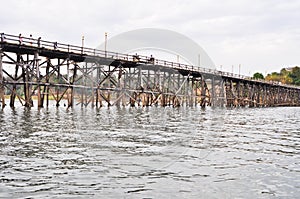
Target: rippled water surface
150,153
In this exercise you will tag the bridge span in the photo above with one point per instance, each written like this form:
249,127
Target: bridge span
43,70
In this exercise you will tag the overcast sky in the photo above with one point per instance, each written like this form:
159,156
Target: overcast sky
261,35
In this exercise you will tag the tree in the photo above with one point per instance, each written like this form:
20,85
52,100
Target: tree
295,75
258,76
274,76
286,76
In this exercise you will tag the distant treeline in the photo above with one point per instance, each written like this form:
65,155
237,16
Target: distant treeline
285,76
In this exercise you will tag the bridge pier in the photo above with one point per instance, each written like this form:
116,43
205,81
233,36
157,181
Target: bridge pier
27,78
2,89
14,86
37,67
203,92
47,88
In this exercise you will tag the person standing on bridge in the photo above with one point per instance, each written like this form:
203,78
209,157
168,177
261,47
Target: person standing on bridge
31,39
136,58
151,60
20,39
2,37
55,45
39,42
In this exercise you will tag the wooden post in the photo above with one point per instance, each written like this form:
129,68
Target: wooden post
58,79
192,92
238,89
36,63
203,92
223,93
85,85
178,87
148,87
93,91
109,86
47,81
186,93
27,86
140,81
213,93
97,89
14,90
70,88
2,96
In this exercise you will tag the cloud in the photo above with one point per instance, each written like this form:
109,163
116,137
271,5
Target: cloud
255,33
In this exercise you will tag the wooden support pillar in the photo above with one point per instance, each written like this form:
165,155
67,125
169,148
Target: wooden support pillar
191,92
27,85
268,96
71,99
149,95
92,89
69,94
131,102
276,96
97,89
186,93
178,92
119,89
14,89
223,93
294,98
159,81
140,80
196,85
298,98
254,95
85,85
2,94
203,93
250,94
47,81
168,89
213,92
172,97
58,79
125,77
36,63
264,95
238,90
273,94
258,96
226,88
82,89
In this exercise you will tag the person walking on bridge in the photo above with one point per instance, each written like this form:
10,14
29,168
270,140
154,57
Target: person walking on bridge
39,42
55,45
20,39
2,37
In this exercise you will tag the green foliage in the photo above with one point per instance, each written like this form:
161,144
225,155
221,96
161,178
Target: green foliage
295,75
286,76
258,76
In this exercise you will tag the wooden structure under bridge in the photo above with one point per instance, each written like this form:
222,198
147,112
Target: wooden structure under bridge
38,69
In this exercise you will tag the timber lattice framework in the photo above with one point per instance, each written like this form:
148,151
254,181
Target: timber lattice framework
37,69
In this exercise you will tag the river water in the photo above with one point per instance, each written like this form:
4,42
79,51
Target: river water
150,152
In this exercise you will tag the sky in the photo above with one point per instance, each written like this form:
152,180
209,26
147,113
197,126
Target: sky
260,35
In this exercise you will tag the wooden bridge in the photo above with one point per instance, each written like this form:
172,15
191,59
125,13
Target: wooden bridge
34,68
